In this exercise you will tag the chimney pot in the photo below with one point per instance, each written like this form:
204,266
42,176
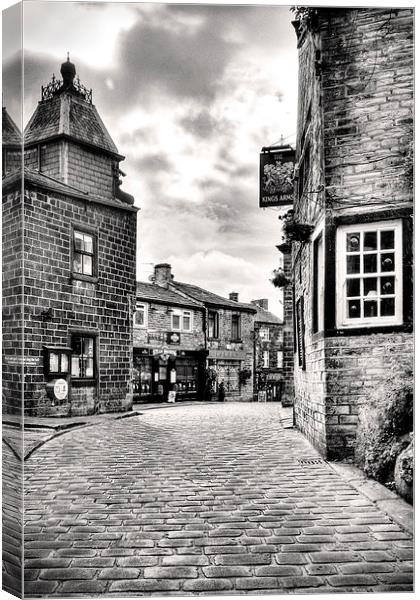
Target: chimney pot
162,274
234,296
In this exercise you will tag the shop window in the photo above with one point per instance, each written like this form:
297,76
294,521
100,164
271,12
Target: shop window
181,320
266,359
84,251
56,361
236,327
265,334
213,324
83,357
140,315
369,274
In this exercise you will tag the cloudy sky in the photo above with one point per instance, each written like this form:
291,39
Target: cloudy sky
190,94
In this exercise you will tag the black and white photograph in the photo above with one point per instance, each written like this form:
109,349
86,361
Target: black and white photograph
207,299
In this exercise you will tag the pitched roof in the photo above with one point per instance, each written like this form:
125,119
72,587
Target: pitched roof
72,116
49,184
265,316
157,293
11,135
207,297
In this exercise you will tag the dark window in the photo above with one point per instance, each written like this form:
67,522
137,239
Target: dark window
213,325
236,327
83,357
318,285
83,253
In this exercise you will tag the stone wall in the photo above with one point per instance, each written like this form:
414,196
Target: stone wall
102,308
159,322
12,346
90,170
356,83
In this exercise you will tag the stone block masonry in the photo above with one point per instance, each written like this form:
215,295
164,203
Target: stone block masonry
355,127
102,308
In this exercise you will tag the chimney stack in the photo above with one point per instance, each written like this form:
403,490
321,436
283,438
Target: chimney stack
234,296
162,275
262,303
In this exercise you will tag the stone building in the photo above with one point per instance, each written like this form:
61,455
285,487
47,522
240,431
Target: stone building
268,354
70,237
352,265
169,343
226,336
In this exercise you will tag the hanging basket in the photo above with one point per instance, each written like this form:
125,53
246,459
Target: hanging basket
279,279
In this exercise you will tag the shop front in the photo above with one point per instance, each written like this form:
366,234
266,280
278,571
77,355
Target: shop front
159,371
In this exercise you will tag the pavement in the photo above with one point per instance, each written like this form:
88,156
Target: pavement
205,499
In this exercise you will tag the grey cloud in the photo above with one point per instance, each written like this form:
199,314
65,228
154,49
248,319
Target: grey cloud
202,124
152,163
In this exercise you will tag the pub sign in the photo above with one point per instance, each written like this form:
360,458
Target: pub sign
276,176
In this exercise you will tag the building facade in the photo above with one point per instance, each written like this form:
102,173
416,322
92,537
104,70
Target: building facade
269,380
214,335
352,214
75,235
169,344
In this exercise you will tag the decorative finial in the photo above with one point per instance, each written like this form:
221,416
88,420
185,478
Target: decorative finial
68,56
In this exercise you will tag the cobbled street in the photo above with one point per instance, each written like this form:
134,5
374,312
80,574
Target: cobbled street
193,499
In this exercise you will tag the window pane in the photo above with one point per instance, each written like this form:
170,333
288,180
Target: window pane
75,366
353,242
53,362
388,307
370,241
88,346
353,287
176,321
370,286
370,308
369,263
353,264
186,322
139,316
387,240
77,263
89,367
387,285
87,264
78,240
88,243
64,363
76,345
387,262
353,309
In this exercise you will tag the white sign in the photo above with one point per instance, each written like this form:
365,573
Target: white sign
171,396
61,389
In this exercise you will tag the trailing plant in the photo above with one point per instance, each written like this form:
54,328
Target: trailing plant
385,423
294,231
279,279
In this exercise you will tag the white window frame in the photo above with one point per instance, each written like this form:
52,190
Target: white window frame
146,316
266,359
265,334
342,320
181,314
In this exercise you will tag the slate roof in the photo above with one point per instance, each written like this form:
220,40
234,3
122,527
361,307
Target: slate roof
46,183
69,115
11,135
265,316
207,297
157,293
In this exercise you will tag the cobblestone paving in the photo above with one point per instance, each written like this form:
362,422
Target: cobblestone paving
202,499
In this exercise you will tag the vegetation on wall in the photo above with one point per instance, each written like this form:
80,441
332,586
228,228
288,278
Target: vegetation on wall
279,279
385,425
